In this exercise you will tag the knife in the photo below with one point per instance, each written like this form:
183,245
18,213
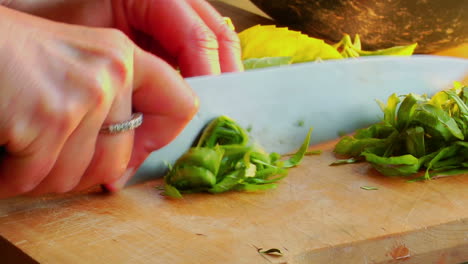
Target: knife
279,104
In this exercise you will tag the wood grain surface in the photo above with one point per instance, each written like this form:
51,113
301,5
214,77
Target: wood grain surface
318,214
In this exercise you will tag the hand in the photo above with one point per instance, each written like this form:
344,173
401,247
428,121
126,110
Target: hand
189,34
59,84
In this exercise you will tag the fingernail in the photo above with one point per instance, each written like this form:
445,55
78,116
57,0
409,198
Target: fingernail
120,183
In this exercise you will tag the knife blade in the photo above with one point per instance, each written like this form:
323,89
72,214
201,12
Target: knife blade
280,104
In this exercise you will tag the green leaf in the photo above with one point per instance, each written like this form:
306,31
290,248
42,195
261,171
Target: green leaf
271,251
394,166
379,131
406,50
257,63
314,152
299,155
445,173
354,147
438,121
415,143
197,168
223,131
245,187
406,110
369,188
171,191
447,152
390,109
461,105
344,161
228,183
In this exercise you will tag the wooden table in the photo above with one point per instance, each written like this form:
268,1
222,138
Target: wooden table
318,214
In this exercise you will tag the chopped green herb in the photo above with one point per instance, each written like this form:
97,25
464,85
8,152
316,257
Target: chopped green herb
171,191
314,152
297,157
415,134
369,188
300,123
224,160
271,252
344,161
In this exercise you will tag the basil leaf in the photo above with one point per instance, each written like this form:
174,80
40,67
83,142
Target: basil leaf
171,191
223,131
299,155
406,110
354,147
344,161
390,109
228,182
394,166
415,142
394,51
438,121
369,188
271,251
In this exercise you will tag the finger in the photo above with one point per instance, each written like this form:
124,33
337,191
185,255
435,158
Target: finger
168,105
73,160
21,174
21,170
112,151
181,32
228,41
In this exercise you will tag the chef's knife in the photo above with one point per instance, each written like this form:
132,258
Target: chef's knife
280,104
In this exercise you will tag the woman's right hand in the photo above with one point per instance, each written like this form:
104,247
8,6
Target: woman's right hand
59,85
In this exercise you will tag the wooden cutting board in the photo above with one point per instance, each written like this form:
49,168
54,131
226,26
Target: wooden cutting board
318,214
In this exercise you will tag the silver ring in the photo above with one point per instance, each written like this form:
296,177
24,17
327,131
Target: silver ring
135,121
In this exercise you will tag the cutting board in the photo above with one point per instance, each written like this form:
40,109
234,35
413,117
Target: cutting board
318,214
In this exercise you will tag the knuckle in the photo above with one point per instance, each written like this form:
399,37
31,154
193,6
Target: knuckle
97,92
118,52
66,120
115,35
225,34
203,37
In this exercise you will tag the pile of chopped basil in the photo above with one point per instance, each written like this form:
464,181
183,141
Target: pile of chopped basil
417,133
224,159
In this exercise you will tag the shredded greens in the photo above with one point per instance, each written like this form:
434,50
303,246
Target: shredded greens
224,160
369,188
271,252
416,133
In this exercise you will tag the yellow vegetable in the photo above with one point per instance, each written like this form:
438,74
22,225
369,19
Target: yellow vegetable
271,41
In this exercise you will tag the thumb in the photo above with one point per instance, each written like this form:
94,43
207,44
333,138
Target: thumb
167,103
